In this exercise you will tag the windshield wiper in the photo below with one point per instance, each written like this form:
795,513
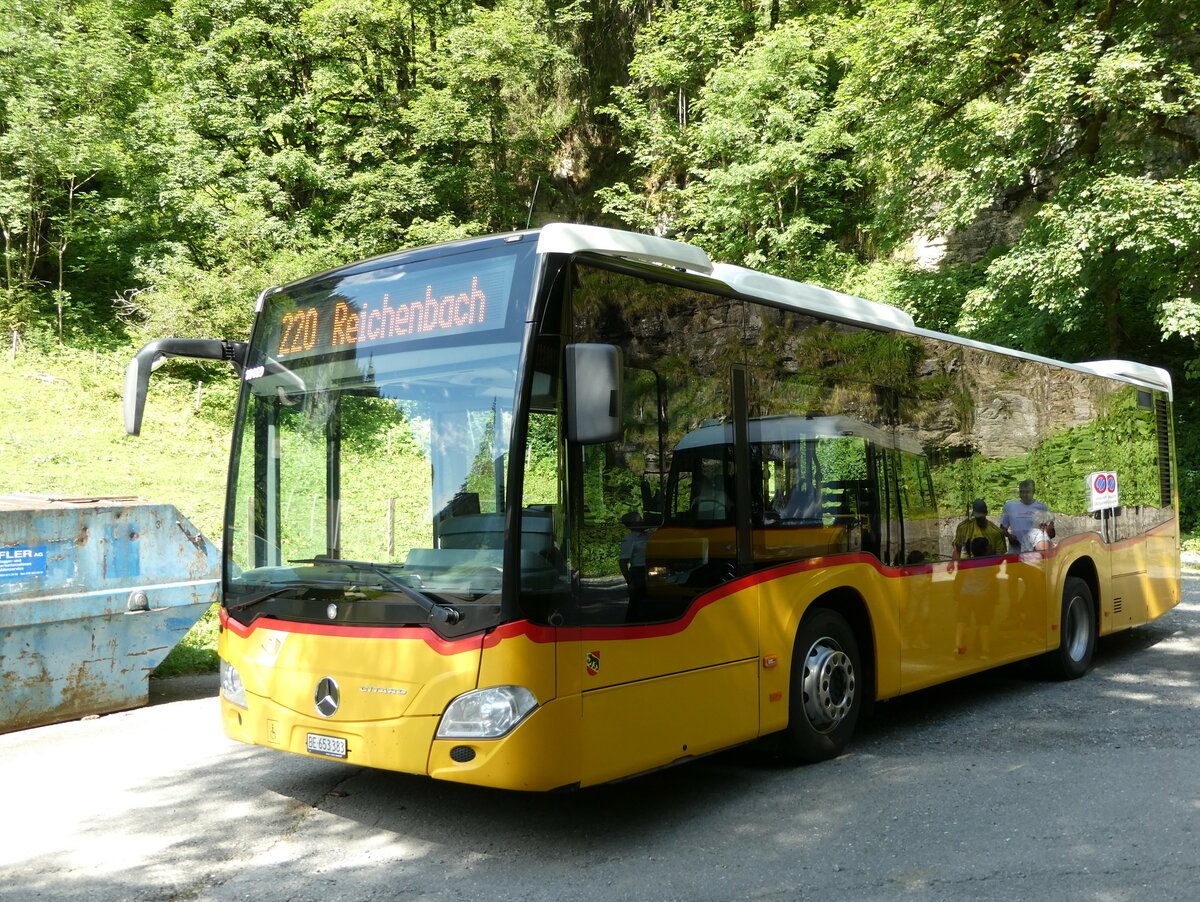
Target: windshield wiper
441,612
261,597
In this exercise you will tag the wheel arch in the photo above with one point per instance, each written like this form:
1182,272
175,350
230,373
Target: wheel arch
1077,635
853,607
1084,568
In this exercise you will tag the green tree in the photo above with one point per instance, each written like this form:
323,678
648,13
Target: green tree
674,52
293,134
241,173
70,76
1073,119
487,116
772,181
1112,259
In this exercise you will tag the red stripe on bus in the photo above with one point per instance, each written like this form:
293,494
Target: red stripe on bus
658,630
546,634
422,633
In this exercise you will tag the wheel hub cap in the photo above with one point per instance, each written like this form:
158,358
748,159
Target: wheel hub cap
828,685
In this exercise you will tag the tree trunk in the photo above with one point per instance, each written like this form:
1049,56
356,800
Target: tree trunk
1110,297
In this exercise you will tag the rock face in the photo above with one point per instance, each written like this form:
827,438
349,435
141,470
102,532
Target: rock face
1007,424
958,399
1001,406
1000,226
984,419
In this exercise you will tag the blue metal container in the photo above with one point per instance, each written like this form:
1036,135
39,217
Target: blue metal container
94,592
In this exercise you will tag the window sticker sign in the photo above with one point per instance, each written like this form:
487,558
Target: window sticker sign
1103,491
21,561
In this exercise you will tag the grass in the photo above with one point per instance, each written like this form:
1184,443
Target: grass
62,435
1191,541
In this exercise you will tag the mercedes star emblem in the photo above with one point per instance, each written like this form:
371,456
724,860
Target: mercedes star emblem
327,697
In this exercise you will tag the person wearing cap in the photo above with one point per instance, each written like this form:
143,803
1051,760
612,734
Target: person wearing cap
978,526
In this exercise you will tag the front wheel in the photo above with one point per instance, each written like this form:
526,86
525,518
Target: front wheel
826,693
1077,632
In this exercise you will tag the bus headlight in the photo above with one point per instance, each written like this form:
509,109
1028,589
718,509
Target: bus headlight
232,689
486,713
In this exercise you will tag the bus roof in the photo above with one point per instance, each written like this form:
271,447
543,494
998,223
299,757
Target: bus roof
566,238
811,298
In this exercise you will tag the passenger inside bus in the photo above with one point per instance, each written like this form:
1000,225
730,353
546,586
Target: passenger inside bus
802,504
712,499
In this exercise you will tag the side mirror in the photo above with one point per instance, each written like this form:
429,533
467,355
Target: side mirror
137,383
594,393
154,354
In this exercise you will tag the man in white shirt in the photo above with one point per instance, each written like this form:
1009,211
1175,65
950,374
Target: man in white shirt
1020,516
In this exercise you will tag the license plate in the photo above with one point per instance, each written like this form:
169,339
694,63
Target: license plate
331,746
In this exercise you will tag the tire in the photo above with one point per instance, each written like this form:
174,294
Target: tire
826,689
1077,632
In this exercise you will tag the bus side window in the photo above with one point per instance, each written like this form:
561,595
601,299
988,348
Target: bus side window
681,497
619,508
919,510
636,546
545,576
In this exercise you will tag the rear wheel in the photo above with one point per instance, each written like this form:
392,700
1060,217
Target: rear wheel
826,696
1077,632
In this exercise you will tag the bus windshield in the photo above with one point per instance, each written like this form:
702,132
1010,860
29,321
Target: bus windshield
372,442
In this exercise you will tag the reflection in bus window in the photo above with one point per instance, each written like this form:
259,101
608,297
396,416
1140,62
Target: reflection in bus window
678,345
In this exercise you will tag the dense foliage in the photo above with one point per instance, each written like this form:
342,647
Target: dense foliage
1026,173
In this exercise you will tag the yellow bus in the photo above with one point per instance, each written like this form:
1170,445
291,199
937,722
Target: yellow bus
563,506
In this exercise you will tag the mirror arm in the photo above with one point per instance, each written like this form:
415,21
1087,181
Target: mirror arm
153,354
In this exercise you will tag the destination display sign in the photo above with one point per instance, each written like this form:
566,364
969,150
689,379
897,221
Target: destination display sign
395,306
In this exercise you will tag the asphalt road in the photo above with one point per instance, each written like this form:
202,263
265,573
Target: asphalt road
999,787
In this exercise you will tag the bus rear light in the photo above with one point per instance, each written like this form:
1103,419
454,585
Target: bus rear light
486,713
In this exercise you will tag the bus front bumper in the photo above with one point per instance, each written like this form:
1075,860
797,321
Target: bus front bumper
540,753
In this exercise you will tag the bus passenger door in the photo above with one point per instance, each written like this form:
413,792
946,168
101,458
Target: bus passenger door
668,668
1127,558
665,673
